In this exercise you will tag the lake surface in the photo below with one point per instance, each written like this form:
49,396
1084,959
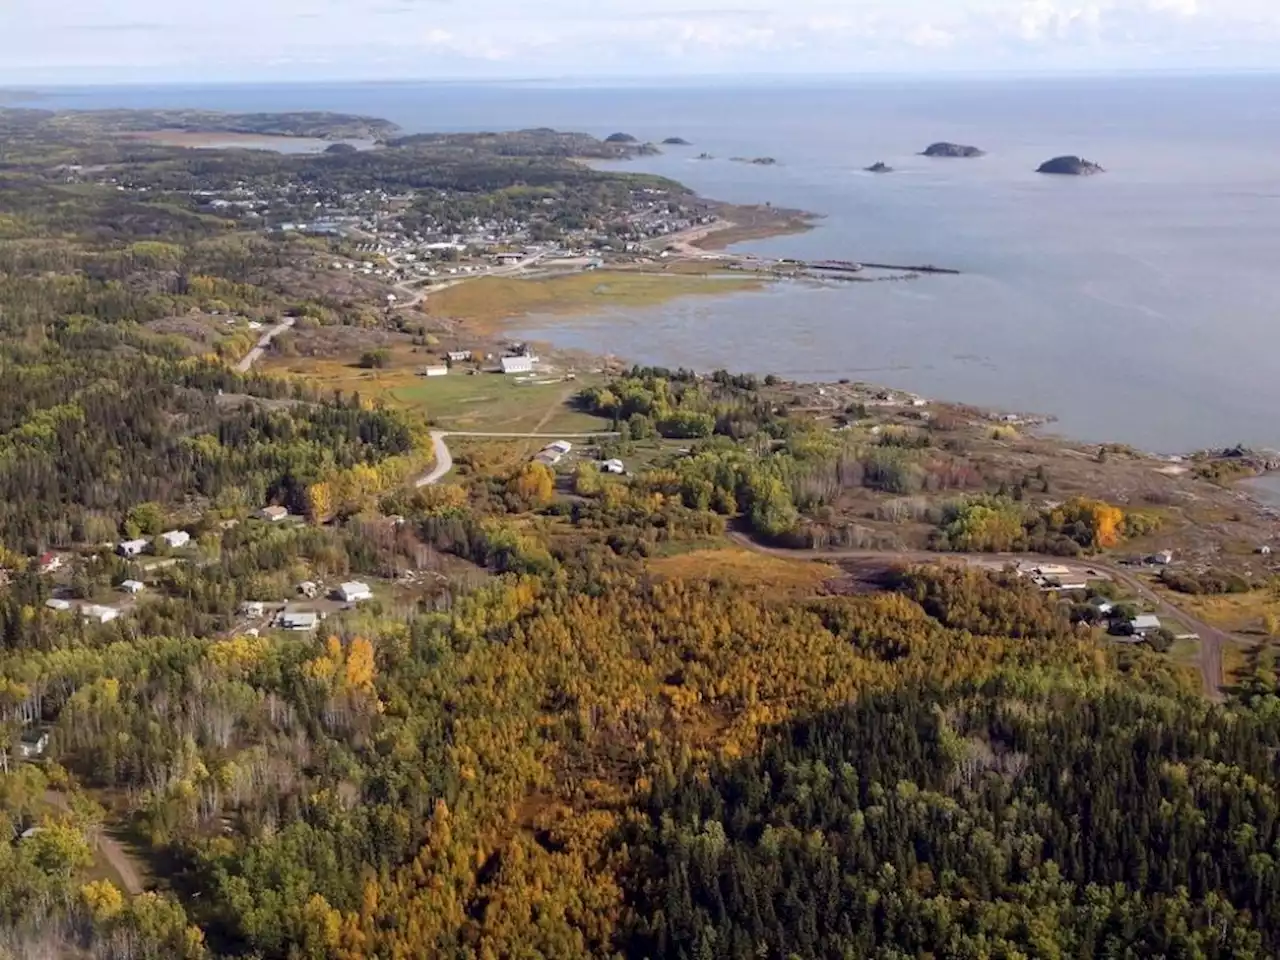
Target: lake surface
1140,306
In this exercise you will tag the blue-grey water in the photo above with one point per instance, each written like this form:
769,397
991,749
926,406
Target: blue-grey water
1141,306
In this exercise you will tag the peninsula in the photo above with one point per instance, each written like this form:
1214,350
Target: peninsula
1070,166
945,149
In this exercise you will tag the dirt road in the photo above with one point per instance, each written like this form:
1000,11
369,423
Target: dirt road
122,862
444,459
1212,640
252,357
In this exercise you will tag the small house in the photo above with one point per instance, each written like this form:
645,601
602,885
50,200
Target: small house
50,562
436,370
133,548
522,364
32,744
354,592
459,356
58,604
133,586
299,621
309,589
254,609
101,614
1144,623
176,539
616,467
561,447
274,514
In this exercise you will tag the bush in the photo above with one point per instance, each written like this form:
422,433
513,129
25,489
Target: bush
375,359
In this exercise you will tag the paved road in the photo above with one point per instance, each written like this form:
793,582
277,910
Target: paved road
419,288
1212,640
444,459
264,341
120,859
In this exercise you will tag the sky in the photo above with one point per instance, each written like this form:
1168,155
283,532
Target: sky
89,41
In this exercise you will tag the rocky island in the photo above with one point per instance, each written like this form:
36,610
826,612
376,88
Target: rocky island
676,142
620,138
758,161
879,167
945,149
1070,167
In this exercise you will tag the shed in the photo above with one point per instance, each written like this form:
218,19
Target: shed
355,592
274,514
1145,623
437,370
133,548
522,364
94,611
133,586
58,604
176,538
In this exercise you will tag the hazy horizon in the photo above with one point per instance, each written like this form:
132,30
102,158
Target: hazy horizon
153,41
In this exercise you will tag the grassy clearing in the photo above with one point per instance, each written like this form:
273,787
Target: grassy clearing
1237,612
491,300
748,569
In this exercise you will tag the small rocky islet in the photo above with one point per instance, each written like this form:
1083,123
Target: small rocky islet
946,149
676,142
1070,166
879,167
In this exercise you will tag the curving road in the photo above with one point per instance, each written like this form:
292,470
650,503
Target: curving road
252,357
1212,639
444,459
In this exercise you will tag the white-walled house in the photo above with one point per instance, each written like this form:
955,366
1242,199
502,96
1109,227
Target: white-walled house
176,538
355,592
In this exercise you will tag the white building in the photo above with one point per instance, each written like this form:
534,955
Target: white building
176,538
31,745
133,586
615,467
274,514
561,447
517,364
1145,623
99,613
439,370
58,604
459,356
355,592
133,548
299,621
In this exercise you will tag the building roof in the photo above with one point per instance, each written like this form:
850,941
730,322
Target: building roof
1145,621
133,586
354,586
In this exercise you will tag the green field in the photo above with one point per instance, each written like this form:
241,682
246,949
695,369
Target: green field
494,402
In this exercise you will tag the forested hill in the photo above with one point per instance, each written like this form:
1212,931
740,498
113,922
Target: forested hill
105,123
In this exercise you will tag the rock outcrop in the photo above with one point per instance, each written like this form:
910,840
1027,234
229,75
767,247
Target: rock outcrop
879,167
1070,167
676,142
944,149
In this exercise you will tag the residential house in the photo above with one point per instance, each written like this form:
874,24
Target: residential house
459,356
176,539
93,611
561,447
50,562
523,364
300,621
354,592
32,744
615,467
58,604
274,514
1144,623
436,370
133,586
133,548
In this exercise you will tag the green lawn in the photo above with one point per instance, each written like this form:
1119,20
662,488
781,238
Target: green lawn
493,402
